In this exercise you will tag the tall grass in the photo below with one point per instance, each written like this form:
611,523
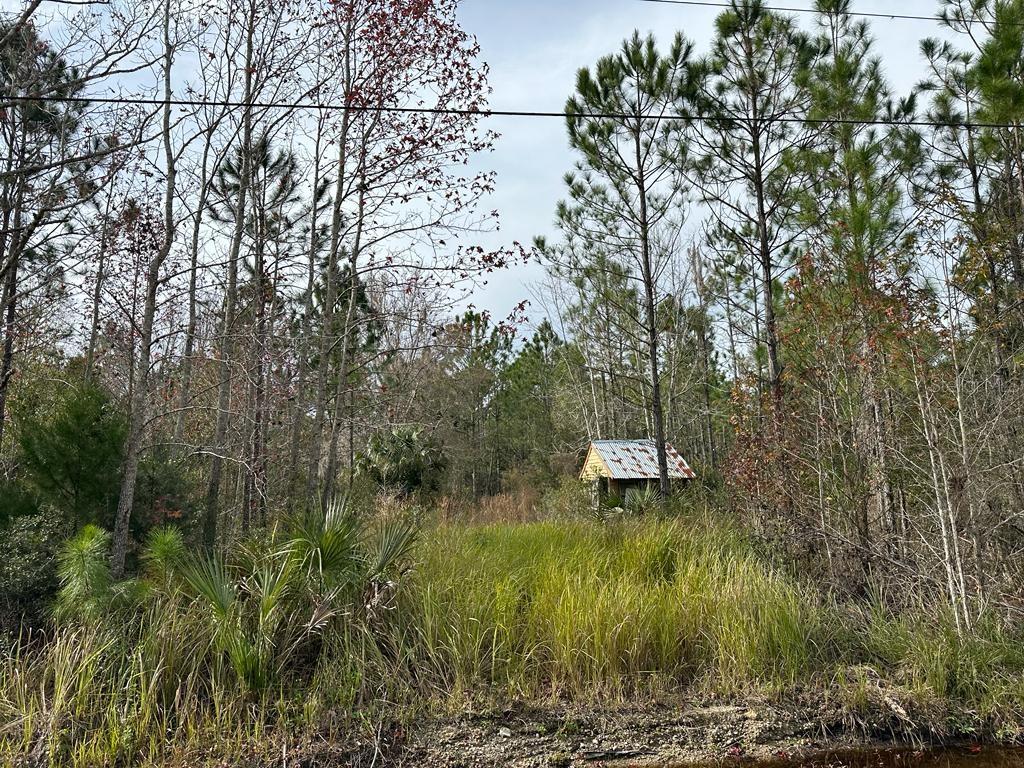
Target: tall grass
587,609
316,633
982,672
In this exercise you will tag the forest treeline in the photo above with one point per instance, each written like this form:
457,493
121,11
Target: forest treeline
220,306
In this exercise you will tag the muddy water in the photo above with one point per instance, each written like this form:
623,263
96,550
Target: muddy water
954,758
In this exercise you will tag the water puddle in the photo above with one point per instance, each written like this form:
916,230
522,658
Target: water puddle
950,758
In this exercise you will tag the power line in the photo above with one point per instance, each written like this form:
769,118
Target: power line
692,117
860,14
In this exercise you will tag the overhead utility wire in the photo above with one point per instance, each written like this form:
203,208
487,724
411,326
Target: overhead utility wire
784,118
864,14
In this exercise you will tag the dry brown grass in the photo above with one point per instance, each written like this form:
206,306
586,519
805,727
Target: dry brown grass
521,505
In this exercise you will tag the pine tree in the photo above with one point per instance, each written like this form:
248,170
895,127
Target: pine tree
746,169
40,184
627,192
861,235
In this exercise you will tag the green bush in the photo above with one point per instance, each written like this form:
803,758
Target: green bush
16,501
569,498
645,501
261,601
163,496
70,454
28,568
402,460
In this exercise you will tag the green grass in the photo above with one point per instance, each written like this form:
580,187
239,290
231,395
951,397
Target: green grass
575,610
582,609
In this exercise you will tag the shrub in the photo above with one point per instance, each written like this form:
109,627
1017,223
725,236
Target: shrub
645,501
70,454
402,460
16,500
28,568
259,603
569,498
86,584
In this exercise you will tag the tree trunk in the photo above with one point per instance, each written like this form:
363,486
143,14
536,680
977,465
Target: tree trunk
9,306
651,327
185,394
764,257
305,342
140,395
212,513
327,322
97,295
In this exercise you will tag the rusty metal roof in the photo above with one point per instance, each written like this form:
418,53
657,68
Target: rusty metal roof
638,460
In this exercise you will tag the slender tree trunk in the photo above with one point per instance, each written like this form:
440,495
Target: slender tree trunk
185,395
657,416
349,336
97,295
305,342
257,460
940,512
313,473
13,244
140,396
10,312
210,519
764,258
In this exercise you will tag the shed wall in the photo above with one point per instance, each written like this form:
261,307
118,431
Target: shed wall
593,467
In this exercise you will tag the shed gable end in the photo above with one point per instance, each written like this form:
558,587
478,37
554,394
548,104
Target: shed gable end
594,466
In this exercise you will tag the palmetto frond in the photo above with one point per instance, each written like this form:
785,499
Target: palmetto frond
390,547
208,576
324,545
269,585
258,604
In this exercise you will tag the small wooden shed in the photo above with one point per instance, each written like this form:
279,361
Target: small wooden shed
624,467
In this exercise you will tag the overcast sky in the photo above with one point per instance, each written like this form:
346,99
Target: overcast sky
535,47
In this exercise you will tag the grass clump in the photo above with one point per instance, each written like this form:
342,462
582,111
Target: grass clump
582,609
981,672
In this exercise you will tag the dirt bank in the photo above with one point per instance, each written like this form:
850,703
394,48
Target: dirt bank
666,734
809,731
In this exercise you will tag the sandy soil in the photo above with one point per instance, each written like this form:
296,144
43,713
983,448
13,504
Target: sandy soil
663,735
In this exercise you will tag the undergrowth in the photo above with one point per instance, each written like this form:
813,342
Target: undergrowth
332,628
